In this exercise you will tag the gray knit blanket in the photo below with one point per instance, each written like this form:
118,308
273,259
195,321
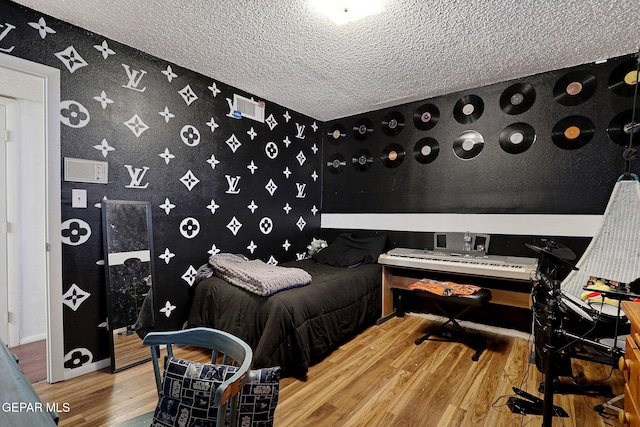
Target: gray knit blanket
257,276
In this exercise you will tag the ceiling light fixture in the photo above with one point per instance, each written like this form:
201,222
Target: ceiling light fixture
344,11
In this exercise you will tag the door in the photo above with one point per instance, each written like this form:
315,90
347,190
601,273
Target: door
4,290
49,84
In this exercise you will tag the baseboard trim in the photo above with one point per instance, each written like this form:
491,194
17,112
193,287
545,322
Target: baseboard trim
85,369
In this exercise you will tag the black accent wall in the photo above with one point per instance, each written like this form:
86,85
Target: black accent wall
546,178
565,160
215,182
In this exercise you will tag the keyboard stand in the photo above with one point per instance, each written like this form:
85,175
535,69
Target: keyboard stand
445,304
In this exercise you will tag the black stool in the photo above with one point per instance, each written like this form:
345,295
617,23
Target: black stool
463,303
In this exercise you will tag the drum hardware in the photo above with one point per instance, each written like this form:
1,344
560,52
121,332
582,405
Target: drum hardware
551,308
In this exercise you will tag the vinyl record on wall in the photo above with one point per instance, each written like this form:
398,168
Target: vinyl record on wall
468,145
622,79
619,129
393,123
337,133
574,88
468,109
572,132
362,128
337,163
426,116
392,155
362,160
426,150
517,98
517,138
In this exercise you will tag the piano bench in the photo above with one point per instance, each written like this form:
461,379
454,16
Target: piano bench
454,307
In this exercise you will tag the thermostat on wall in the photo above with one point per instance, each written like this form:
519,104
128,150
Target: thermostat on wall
80,170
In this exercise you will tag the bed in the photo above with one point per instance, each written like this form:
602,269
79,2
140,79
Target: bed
297,327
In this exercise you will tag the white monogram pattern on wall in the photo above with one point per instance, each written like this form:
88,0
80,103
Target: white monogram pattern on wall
75,232
167,309
74,297
217,182
77,357
73,114
42,28
71,59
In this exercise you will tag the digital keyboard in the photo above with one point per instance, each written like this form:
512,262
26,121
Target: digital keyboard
469,263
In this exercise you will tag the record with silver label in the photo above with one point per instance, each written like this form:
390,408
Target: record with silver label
572,132
426,116
336,163
362,160
362,128
468,145
468,109
620,129
393,123
337,133
426,150
623,78
517,98
574,88
392,155
517,138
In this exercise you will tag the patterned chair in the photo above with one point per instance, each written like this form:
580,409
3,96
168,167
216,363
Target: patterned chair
192,393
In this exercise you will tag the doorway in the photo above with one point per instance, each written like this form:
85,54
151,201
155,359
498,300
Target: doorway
40,166
24,232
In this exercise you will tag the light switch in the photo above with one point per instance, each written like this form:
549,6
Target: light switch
78,198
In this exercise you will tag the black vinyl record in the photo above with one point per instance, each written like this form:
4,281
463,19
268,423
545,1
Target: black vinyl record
517,138
517,98
622,80
468,145
468,109
393,123
337,133
426,150
426,116
393,155
337,163
574,88
619,129
572,132
362,128
362,160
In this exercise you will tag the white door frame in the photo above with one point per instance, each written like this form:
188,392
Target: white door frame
51,81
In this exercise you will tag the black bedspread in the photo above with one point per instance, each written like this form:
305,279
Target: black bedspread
296,327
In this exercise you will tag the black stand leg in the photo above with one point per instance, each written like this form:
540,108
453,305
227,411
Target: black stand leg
478,343
547,407
552,326
577,389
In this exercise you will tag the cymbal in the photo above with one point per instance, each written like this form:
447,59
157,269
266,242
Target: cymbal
558,254
558,248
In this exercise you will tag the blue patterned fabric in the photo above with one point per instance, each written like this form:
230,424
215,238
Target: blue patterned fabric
259,398
188,388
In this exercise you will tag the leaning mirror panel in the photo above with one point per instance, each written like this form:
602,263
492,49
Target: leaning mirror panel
128,248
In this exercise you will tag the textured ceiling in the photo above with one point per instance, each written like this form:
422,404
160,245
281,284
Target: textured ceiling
284,52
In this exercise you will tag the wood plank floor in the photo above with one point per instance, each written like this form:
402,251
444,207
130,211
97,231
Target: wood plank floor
33,360
380,378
